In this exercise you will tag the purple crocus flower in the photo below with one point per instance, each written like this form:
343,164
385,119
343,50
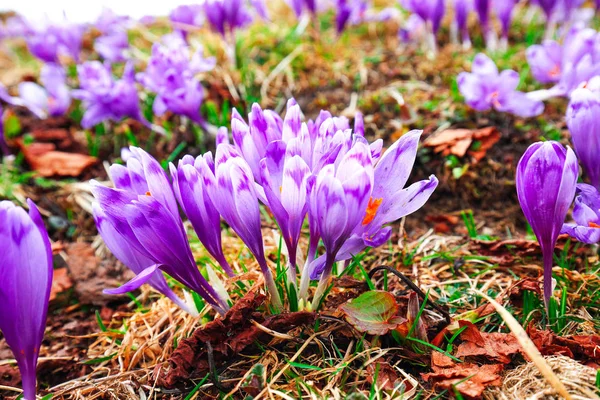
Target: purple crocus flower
583,123
504,12
586,214
105,98
484,88
431,11
171,74
108,21
113,46
413,30
285,182
190,189
389,200
54,98
462,9
546,178
25,282
569,65
350,12
251,139
483,9
15,27
143,211
232,191
53,41
338,201
186,17
225,16
133,258
299,6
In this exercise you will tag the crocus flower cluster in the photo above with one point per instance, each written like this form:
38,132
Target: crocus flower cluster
586,214
485,88
545,180
431,13
140,222
565,65
25,282
105,98
51,99
584,126
171,74
321,170
52,41
324,170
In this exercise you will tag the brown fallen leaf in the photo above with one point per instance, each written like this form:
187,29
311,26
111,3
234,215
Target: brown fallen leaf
43,158
496,346
469,379
442,222
458,141
579,347
386,375
60,282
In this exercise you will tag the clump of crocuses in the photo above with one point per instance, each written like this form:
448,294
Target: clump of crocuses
321,170
171,74
140,215
25,282
545,180
485,88
565,65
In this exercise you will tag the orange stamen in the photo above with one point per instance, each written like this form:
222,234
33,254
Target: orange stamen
148,194
372,208
593,225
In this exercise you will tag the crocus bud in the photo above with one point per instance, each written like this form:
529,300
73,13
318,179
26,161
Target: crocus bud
583,123
545,180
586,214
25,282
191,193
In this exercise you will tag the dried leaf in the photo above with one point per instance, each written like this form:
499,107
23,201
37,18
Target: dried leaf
496,346
470,380
580,347
373,312
60,282
386,375
228,336
458,141
48,162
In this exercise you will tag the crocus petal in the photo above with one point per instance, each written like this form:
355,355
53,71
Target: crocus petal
140,279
